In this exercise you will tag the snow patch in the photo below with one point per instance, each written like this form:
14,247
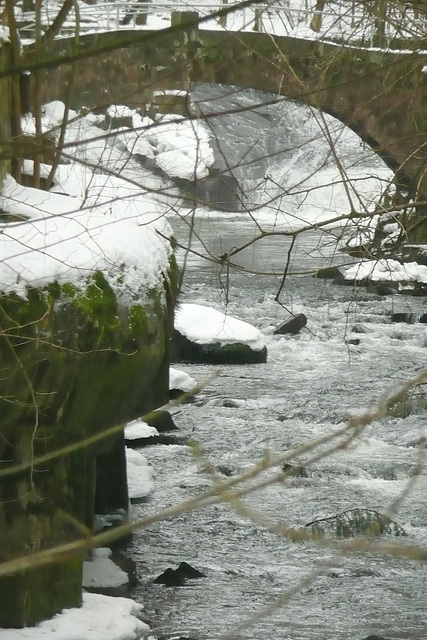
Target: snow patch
138,429
101,572
120,111
139,474
387,270
4,34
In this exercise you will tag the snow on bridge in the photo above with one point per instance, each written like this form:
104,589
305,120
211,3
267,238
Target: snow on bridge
343,21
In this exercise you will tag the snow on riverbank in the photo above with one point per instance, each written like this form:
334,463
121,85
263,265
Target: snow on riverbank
99,618
180,147
66,243
387,270
99,223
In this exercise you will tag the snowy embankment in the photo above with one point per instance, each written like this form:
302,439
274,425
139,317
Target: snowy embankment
178,146
99,618
90,221
409,278
94,218
388,271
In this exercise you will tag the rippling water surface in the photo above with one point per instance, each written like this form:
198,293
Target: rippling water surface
309,387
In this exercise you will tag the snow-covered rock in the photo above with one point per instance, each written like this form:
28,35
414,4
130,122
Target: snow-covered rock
138,429
407,276
203,334
181,381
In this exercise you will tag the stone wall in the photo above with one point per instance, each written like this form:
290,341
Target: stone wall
74,364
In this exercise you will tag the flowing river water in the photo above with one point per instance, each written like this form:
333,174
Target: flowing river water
310,386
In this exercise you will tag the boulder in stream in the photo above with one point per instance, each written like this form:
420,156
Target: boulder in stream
330,273
292,326
409,318
205,335
177,577
181,385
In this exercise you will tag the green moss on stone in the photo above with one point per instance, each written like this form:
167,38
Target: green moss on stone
138,319
97,309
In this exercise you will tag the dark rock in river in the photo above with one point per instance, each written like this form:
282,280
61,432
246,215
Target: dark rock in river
375,637
218,353
418,289
388,287
177,577
292,326
188,571
408,318
358,329
162,438
224,470
294,470
330,273
162,420
184,396
382,288
415,253
170,578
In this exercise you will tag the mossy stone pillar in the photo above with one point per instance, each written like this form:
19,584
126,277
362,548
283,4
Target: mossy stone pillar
74,362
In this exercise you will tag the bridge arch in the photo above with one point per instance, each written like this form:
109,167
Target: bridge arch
381,95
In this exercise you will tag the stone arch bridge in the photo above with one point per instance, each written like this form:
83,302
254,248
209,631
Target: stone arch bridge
380,94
